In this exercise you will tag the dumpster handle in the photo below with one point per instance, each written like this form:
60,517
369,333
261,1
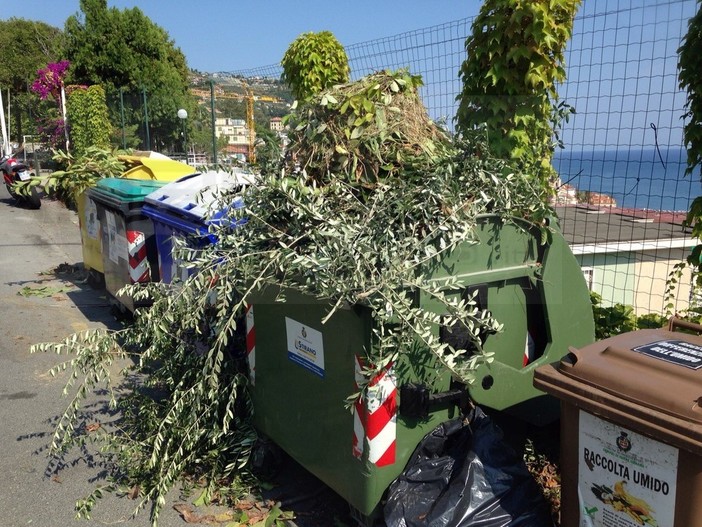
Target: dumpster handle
188,176
676,322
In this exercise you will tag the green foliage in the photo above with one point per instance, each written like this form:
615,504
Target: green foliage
514,62
198,130
366,131
81,172
313,62
263,111
690,78
183,410
25,46
651,321
88,119
125,49
360,223
620,318
611,320
269,154
693,309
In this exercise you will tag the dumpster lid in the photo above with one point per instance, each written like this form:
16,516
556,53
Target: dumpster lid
160,168
196,193
653,368
128,190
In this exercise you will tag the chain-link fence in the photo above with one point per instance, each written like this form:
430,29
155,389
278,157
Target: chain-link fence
623,165
625,152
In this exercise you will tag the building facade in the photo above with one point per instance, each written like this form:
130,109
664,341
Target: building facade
237,134
276,124
627,255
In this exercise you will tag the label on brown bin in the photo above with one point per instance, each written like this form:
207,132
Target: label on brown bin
624,479
678,352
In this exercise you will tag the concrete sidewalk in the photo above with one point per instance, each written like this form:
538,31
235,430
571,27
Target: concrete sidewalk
32,242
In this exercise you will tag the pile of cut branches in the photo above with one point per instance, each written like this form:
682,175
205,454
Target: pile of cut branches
370,196
365,132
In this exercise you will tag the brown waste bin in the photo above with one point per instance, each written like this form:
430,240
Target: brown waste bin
631,429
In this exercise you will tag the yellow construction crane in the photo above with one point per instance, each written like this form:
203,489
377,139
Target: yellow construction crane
249,97
250,122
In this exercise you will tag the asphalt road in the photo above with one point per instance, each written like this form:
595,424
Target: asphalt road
31,493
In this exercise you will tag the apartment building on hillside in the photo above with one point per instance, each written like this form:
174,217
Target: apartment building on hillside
237,135
276,124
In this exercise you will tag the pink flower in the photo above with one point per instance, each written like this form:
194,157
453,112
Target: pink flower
50,79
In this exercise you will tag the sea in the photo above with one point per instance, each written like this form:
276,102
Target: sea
647,178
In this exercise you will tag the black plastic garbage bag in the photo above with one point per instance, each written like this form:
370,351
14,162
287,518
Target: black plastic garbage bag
463,474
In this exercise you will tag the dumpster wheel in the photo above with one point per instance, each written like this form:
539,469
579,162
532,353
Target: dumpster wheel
119,310
96,279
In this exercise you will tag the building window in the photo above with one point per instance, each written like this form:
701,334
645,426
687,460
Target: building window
589,274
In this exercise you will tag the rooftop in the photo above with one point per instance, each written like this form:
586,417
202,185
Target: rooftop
590,229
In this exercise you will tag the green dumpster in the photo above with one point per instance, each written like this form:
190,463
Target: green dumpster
302,370
129,252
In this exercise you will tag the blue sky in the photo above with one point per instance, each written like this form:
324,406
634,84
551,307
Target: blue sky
621,62
227,35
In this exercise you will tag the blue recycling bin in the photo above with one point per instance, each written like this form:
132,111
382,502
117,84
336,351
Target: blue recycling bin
185,209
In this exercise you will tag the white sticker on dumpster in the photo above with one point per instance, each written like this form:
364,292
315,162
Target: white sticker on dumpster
305,346
624,479
92,223
112,237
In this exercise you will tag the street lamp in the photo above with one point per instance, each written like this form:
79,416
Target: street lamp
183,115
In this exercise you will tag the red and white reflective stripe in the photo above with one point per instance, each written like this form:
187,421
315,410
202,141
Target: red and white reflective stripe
529,350
251,343
375,418
138,263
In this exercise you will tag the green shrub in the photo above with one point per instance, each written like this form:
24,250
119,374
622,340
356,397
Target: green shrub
514,62
620,318
88,119
313,62
651,321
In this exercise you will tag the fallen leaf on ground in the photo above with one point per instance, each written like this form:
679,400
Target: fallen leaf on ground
133,492
187,513
93,427
64,268
256,511
222,517
43,291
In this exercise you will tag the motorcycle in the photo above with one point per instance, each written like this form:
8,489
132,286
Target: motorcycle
14,171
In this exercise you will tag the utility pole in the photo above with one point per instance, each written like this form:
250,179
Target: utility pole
121,113
146,120
214,133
